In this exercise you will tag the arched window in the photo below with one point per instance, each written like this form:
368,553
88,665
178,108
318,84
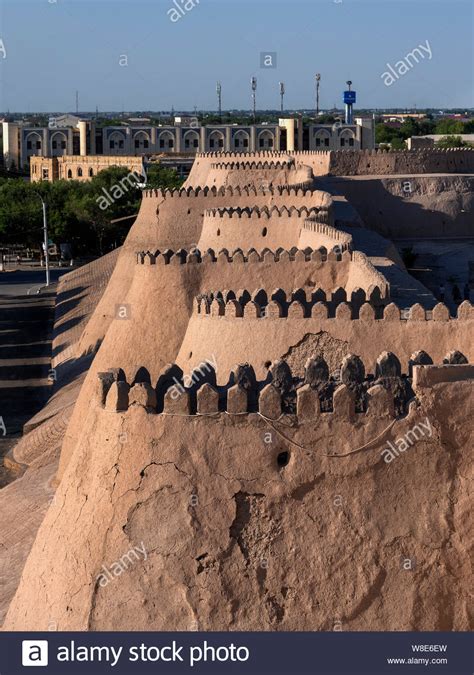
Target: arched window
321,139
57,144
79,172
265,139
69,173
141,140
191,140
33,142
91,172
116,140
166,141
241,139
216,140
346,138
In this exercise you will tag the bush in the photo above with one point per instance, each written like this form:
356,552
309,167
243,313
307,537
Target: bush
451,142
79,212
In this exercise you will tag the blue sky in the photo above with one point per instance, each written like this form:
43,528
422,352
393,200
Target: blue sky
55,47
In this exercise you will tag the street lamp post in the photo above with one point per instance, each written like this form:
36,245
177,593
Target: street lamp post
45,233
219,100
253,83
282,95
318,80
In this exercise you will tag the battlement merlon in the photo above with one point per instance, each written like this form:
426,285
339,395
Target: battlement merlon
194,256
350,394
297,190
259,212
256,165
363,306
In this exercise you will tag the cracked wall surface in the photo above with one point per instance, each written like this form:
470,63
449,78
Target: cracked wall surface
249,524
236,541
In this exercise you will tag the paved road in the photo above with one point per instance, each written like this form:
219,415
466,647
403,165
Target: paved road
26,322
26,281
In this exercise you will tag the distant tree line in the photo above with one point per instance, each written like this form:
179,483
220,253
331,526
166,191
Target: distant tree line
449,128
75,209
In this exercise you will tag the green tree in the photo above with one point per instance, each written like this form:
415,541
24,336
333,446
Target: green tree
451,142
111,194
81,213
426,127
449,126
160,177
398,144
409,128
385,133
20,213
325,119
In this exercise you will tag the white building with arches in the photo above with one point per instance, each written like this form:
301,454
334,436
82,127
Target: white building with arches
85,138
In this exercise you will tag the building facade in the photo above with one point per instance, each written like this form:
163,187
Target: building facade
75,167
21,143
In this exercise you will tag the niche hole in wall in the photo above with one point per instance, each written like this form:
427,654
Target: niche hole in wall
283,459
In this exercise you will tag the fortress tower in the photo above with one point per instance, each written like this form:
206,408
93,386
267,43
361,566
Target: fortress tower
258,355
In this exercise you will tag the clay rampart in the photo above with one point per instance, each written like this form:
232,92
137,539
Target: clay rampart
327,234
243,155
387,162
263,212
253,165
363,272
237,191
311,395
359,331
245,174
182,257
300,303
356,270
379,162
414,206
365,162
